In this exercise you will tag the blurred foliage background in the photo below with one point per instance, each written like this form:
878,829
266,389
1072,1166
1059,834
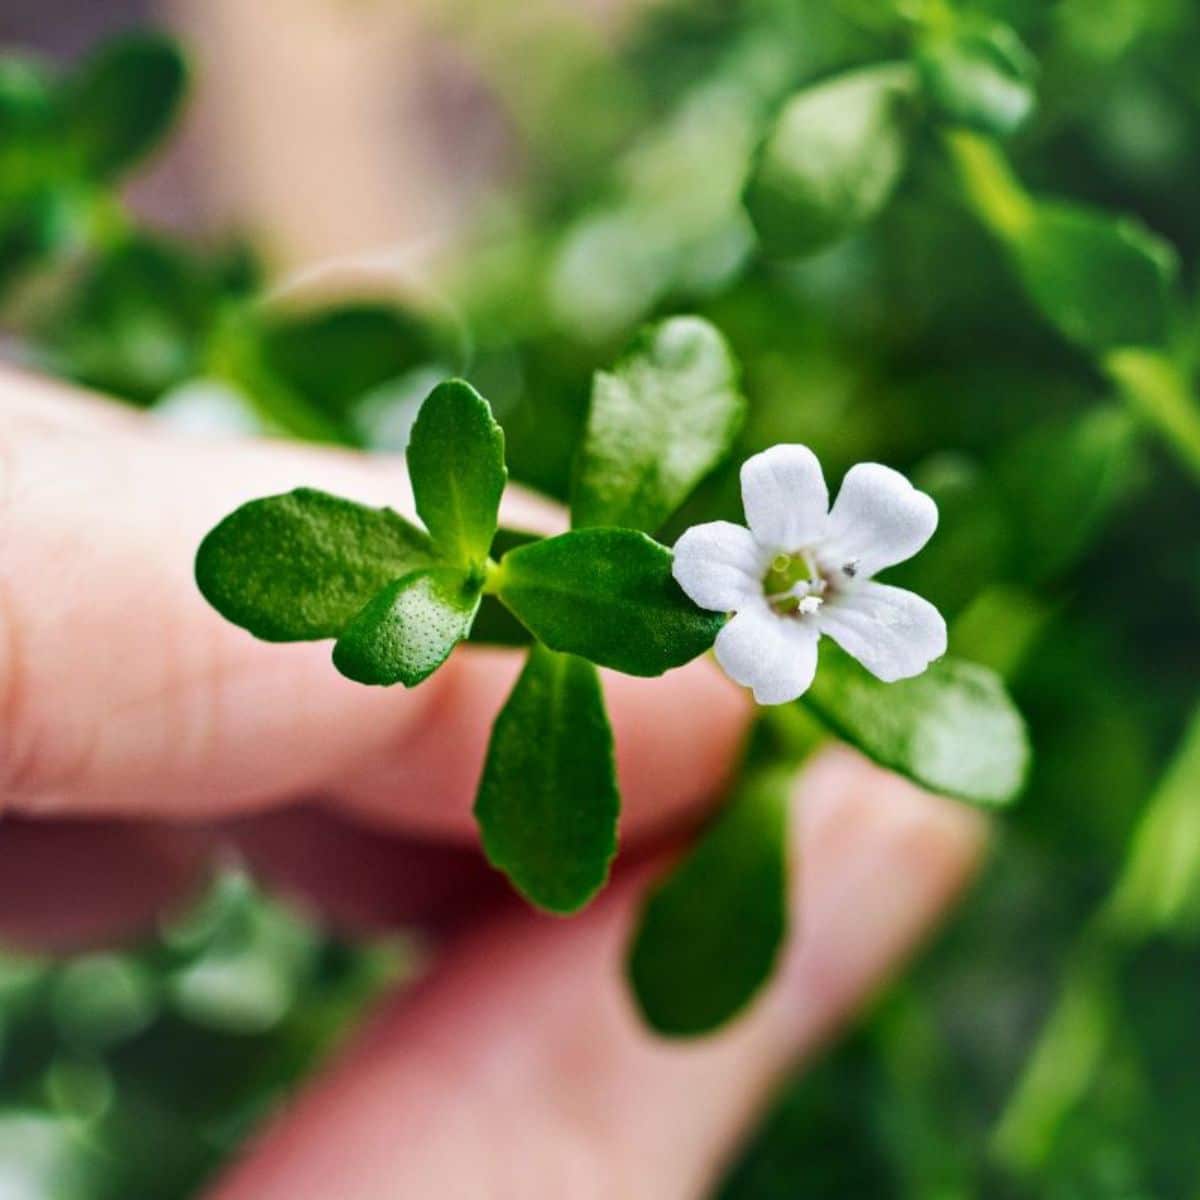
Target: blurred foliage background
1047,1045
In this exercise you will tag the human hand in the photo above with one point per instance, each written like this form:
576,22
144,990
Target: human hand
138,729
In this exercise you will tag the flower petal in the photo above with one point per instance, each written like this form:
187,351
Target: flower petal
785,498
894,633
774,655
878,519
719,565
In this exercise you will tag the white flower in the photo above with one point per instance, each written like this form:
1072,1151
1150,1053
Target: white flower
802,570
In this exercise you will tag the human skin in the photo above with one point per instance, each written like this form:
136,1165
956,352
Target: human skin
139,731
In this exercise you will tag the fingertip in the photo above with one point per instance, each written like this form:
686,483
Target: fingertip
875,861
678,740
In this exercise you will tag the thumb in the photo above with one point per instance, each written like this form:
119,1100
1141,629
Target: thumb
519,1068
122,692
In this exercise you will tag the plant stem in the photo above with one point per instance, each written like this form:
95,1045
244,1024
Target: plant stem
993,190
1157,892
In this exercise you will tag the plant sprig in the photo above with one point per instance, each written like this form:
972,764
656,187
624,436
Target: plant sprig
398,598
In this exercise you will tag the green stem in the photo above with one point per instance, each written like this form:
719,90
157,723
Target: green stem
1159,887
993,190
1061,1070
1158,891
493,573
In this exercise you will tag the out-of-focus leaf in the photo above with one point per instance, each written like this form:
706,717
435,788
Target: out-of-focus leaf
953,730
548,801
102,999
34,228
607,595
119,103
409,629
1102,281
711,930
138,323
334,356
831,160
1061,482
299,566
26,116
659,422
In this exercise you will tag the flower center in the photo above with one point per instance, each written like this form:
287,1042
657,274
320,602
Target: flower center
793,585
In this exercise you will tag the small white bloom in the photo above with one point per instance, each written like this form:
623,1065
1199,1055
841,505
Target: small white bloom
802,570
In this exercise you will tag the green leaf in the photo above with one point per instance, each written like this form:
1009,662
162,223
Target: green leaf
456,460
608,596
299,566
26,120
1103,282
953,730
35,230
980,76
659,422
831,160
548,800
1062,481
334,356
121,101
137,323
408,629
711,931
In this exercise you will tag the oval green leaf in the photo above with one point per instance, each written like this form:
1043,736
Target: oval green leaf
548,801
659,422
608,596
710,932
1103,282
456,461
408,629
953,730
335,356
299,566
120,102
831,160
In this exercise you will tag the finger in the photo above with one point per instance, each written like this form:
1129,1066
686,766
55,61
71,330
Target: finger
122,692
520,1068
68,886
357,880
72,885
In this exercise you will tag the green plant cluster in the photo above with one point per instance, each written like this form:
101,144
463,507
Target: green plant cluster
837,188
133,1071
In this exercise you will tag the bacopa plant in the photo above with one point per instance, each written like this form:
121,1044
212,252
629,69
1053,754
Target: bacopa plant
837,151
398,597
